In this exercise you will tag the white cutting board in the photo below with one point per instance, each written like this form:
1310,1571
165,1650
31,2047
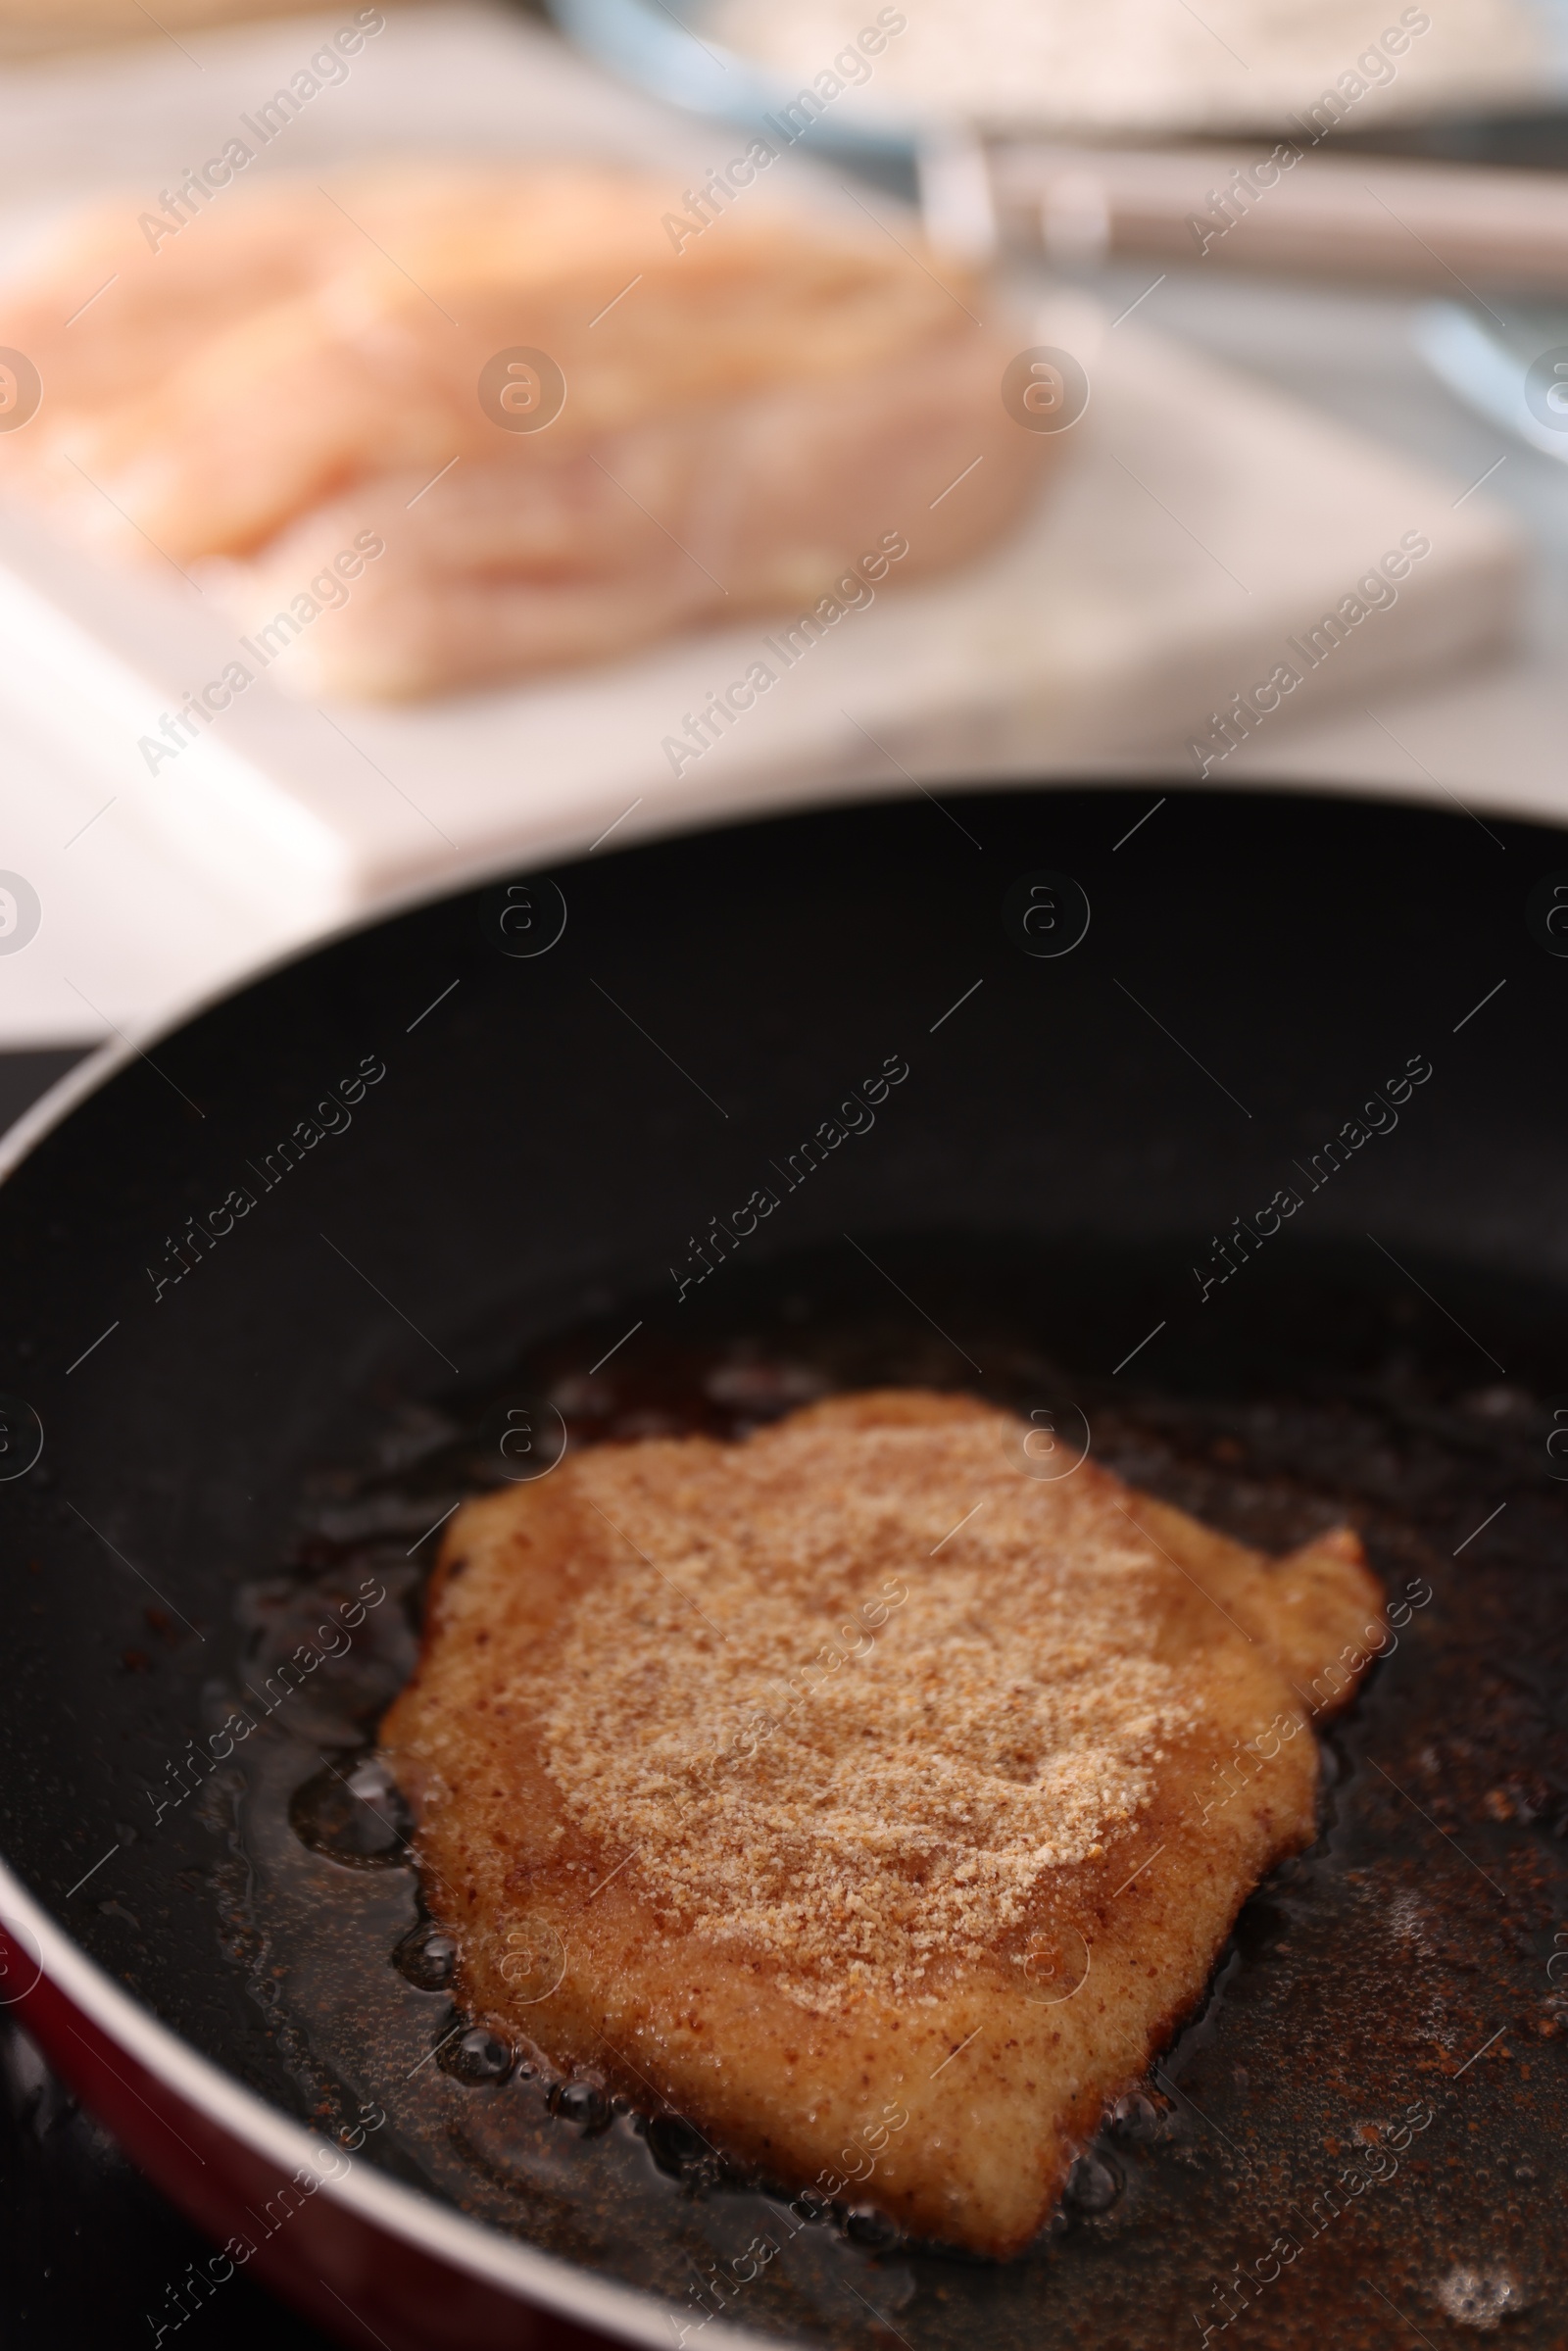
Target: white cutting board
1203,522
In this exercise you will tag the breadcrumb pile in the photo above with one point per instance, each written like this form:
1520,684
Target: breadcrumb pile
839,1735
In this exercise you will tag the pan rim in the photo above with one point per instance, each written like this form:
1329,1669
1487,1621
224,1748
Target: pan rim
571,2289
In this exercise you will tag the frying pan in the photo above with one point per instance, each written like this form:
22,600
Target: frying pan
1130,1020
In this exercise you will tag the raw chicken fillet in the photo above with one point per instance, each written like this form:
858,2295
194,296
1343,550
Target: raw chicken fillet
748,413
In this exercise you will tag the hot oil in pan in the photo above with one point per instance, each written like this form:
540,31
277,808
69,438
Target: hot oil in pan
1358,2134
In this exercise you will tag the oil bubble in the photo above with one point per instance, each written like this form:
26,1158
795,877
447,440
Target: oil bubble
1136,2119
426,1956
477,2058
1093,2184
583,2103
864,2224
1480,2298
351,1812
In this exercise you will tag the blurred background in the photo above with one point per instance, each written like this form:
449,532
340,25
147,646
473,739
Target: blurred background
1255,317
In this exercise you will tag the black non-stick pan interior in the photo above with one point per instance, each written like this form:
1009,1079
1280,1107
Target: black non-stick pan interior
325,1232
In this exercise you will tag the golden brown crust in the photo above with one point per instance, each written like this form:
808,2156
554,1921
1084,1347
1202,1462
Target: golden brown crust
830,1916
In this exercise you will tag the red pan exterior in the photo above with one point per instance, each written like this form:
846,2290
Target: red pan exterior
356,2281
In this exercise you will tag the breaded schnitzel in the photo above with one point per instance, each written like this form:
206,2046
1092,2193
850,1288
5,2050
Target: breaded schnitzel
852,1773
